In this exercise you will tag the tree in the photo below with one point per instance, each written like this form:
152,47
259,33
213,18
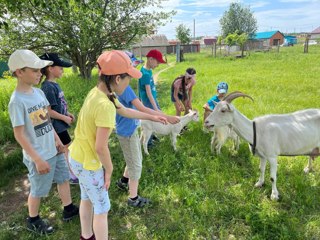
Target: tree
231,40
242,39
183,34
236,38
78,29
240,19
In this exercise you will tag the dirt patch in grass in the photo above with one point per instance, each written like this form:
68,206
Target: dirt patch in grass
13,197
9,147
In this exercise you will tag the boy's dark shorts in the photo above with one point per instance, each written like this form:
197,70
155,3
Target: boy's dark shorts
65,137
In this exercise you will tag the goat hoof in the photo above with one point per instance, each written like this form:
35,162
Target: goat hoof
259,184
307,170
274,197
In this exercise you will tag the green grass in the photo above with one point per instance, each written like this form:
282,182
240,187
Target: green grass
197,195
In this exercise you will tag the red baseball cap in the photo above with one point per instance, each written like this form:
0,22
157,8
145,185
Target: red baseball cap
154,53
117,62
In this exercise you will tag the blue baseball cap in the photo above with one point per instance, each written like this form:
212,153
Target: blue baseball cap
222,87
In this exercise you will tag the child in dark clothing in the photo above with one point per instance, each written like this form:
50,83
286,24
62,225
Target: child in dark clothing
58,109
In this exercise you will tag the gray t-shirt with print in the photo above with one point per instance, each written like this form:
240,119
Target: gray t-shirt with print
30,111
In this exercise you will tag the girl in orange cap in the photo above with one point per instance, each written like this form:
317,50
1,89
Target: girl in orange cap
90,157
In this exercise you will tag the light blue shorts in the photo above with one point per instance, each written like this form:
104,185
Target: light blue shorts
40,185
92,186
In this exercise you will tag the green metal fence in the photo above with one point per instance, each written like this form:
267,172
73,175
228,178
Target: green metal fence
3,67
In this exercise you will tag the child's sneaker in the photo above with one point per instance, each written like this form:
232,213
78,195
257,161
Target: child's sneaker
139,202
122,186
39,226
91,238
68,215
74,181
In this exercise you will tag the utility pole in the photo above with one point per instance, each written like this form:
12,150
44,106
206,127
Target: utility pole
194,29
194,33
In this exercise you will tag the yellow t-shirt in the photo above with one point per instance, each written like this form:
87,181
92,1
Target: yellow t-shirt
97,111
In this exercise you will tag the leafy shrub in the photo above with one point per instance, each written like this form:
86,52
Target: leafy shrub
6,132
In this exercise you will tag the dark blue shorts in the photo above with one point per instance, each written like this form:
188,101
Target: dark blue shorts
64,137
172,97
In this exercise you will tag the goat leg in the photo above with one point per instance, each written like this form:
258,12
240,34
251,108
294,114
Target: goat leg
308,168
174,141
262,168
273,178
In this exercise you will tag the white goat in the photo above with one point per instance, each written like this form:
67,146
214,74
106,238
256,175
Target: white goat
148,127
271,136
220,135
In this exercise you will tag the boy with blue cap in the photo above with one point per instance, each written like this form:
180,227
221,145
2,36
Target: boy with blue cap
222,90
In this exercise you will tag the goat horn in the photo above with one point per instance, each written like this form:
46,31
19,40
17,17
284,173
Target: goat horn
235,95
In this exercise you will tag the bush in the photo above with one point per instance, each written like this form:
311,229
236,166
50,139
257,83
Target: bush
6,132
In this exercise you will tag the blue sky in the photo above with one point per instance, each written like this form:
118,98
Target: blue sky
283,15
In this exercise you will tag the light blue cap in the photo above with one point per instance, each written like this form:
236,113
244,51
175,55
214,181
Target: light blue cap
222,87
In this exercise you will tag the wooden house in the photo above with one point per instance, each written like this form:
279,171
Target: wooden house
272,38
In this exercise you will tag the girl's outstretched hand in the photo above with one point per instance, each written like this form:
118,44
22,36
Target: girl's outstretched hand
173,119
160,119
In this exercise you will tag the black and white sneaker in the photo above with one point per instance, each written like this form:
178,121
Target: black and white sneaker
122,186
68,215
39,226
139,202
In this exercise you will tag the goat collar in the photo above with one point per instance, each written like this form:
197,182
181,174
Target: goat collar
253,145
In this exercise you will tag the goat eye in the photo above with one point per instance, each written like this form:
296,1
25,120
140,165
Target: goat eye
223,110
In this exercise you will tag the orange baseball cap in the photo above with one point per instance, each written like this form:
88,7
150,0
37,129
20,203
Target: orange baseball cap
117,62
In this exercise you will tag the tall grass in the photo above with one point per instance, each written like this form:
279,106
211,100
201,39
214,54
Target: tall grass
6,88
197,195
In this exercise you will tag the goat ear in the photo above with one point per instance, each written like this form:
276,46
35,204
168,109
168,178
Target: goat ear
229,108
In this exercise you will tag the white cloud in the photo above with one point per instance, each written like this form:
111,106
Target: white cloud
302,16
258,4
171,4
301,19
209,3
